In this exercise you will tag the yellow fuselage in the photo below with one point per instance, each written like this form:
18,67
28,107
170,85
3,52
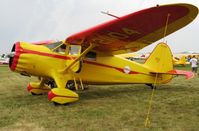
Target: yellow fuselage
38,60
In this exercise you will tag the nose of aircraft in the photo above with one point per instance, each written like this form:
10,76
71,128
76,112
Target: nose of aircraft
12,57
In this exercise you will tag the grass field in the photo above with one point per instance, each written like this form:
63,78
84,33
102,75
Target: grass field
117,107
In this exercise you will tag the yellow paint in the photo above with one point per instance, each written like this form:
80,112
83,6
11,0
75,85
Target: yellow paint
37,88
64,96
181,61
101,70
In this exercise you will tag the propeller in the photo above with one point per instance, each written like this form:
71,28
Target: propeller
11,56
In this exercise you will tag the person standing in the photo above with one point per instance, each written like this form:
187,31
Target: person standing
194,64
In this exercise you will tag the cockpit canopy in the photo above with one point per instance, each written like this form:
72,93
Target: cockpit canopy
62,48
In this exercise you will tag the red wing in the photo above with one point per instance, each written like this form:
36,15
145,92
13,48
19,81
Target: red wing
43,42
137,30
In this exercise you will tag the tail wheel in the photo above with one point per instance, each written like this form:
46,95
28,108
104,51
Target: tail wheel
151,86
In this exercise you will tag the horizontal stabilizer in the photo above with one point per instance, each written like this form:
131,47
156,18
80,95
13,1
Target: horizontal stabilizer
187,74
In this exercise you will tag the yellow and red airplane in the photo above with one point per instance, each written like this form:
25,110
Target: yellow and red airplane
90,56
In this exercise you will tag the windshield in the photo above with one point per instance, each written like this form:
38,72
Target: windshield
58,47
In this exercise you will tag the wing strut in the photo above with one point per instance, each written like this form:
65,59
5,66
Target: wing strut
78,58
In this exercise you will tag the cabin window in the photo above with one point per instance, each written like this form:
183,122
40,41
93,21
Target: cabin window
91,56
58,47
52,46
74,50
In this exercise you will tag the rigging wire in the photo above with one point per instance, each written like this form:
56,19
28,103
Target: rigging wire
147,120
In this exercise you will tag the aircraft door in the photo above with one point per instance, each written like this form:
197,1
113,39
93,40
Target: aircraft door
74,51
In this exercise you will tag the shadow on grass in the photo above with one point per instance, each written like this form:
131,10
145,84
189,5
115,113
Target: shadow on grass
95,92
136,90
98,92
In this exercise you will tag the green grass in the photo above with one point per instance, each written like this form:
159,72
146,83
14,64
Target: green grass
180,67
116,107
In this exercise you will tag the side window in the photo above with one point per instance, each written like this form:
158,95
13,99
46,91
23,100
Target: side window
91,56
74,50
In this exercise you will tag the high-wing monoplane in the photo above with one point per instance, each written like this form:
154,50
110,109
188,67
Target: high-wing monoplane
90,56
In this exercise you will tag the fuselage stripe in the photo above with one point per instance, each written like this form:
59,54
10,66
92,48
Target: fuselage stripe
20,51
108,66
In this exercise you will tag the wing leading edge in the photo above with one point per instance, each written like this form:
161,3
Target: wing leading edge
133,32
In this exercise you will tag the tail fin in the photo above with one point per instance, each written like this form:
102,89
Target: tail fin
183,59
160,60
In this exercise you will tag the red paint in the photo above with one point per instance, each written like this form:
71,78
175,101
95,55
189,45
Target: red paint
29,88
145,22
43,42
19,50
47,54
51,95
187,74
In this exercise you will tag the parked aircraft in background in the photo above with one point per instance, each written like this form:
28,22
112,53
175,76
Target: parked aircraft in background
183,58
180,61
4,59
135,56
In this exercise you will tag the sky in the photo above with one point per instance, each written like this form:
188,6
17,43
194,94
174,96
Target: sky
38,20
